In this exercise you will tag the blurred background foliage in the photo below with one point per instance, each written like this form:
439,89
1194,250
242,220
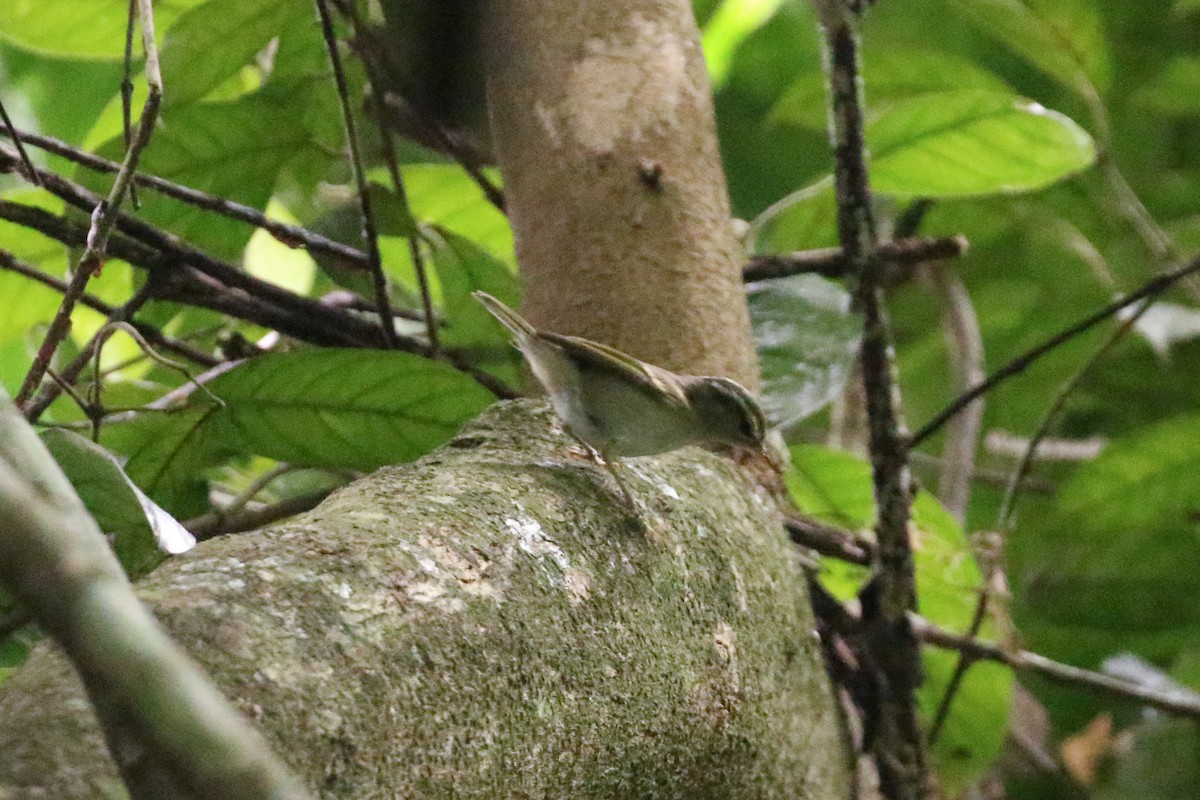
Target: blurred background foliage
1062,137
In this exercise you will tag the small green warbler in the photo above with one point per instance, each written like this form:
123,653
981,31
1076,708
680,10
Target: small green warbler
620,406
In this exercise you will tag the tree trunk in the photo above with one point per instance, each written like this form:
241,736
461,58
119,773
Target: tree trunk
603,124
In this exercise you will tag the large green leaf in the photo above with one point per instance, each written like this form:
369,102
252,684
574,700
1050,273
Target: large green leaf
234,150
836,487
1063,38
954,144
1125,533
167,455
356,409
214,40
890,74
143,534
807,341
84,29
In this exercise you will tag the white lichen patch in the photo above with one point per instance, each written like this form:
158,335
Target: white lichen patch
531,538
625,87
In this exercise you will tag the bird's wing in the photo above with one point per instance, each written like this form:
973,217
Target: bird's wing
647,377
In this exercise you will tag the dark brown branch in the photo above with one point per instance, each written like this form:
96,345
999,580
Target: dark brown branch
898,747
830,541
291,235
216,523
1151,288
1177,703
832,262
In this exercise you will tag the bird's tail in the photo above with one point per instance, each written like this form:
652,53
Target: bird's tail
520,329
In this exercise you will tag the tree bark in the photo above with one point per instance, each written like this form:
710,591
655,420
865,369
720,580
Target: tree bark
489,622
603,125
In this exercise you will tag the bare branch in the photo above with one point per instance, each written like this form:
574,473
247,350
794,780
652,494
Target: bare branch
370,233
1150,289
1179,704
832,262
898,747
104,216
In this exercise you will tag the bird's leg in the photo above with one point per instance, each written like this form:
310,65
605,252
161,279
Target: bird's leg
611,467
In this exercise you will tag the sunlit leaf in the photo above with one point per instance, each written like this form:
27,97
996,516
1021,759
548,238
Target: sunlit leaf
84,29
955,144
215,39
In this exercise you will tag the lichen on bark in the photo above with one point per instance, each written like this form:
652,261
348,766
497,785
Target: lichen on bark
489,622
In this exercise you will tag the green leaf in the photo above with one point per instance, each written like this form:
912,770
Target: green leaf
82,29
728,27
955,144
143,534
463,268
356,409
1063,38
234,150
890,74
805,219
836,487
444,194
167,455
1176,91
1113,585
214,40
807,342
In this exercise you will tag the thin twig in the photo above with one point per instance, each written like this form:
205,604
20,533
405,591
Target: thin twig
70,373
370,233
291,235
127,91
12,134
104,217
449,142
414,240
1011,490
964,341
150,333
898,747
1150,289
1176,703
832,262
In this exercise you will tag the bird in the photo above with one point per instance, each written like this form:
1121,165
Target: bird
619,406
